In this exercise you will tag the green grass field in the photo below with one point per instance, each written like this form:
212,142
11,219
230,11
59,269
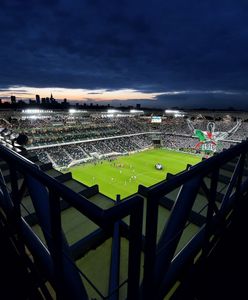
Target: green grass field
124,174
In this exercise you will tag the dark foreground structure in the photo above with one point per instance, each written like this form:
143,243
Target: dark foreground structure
168,241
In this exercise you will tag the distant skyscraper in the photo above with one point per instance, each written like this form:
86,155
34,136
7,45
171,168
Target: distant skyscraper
65,103
43,100
13,99
52,100
138,106
37,97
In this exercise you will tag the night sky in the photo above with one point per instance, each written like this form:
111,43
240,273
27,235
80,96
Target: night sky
164,53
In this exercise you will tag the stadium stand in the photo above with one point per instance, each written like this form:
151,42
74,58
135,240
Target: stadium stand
82,134
81,244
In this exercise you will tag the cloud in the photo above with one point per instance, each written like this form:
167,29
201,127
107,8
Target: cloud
203,99
93,93
149,46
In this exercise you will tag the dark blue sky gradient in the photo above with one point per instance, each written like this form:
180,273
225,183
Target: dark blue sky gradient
200,47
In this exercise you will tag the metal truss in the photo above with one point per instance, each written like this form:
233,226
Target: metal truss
218,184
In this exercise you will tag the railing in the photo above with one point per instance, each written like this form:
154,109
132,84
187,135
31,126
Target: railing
163,265
55,258
165,259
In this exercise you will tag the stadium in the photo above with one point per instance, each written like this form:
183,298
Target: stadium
89,143
114,163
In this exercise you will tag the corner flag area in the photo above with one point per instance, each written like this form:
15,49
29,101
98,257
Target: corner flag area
124,174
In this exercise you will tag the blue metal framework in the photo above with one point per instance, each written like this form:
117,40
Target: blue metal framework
149,237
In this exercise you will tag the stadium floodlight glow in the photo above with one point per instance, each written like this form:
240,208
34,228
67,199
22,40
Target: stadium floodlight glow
73,111
135,111
112,111
36,111
171,111
32,111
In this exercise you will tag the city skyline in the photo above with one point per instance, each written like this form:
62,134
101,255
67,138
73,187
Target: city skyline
164,53
124,97
99,95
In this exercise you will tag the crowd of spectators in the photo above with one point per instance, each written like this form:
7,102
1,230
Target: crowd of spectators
177,142
63,156
97,134
241,133
59,129
175,126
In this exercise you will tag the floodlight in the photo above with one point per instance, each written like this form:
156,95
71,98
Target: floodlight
135,111
112,111
170,111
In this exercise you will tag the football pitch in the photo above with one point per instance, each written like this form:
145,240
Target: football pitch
123,174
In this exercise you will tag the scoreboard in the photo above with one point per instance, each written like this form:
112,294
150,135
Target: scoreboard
156,119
